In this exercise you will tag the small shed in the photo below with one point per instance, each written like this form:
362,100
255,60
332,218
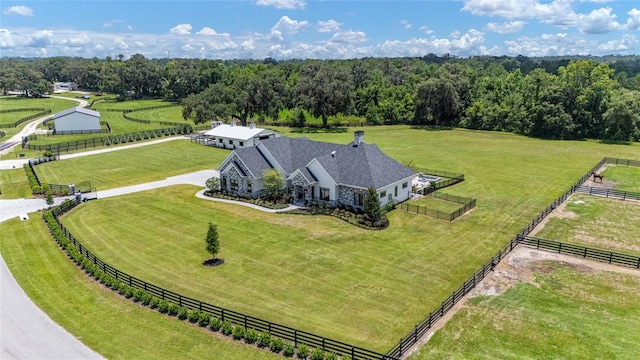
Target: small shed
232,136
77,120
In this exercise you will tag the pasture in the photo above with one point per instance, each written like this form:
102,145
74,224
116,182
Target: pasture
596,222
106,322
626,178
132,166
14,185
12,102
323,275
564,312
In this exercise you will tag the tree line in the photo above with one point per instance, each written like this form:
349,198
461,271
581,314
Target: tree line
547,98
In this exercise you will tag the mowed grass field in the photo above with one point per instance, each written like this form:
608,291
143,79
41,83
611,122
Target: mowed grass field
435,204
568,313
626,178
597,222
133,166
12,102
323,275
14,185
106,322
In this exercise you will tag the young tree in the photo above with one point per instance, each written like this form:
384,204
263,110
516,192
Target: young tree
273,183
213,244
213,184
372,205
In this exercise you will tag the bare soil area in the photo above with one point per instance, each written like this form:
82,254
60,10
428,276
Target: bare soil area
520,266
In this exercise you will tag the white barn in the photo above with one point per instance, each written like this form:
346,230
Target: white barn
236,137
77,120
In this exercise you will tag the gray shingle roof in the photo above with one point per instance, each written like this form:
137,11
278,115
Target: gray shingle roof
362,166
254,160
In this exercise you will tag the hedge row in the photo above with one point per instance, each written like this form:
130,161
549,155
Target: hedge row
262,340
34,184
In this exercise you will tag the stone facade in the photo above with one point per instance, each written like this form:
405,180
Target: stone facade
300,185
234,174
346,194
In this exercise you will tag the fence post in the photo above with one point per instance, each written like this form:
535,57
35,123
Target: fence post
245,322
400,347
222,315
415,333
295,339
610,256
560,249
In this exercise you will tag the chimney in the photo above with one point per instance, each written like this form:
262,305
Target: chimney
358,138
333,153
233,122
252,125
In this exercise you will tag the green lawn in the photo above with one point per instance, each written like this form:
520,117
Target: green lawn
435,204
323,275
597,222
106,322
171,114
627,178
567,314
14,184
133,166
12,117
8,102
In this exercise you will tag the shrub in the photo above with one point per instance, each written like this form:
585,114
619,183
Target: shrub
122,288
238,332
204,319
154,302
289,350
128,292
215,323
331,356
303,351
317,354
227,328
264,340
183,313
194,316
173,309
276,345
146,299
138,295
116,285
251,336
163,306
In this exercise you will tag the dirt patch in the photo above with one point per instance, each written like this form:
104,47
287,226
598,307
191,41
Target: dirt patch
520,266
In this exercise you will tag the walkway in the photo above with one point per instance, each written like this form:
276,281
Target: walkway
200,194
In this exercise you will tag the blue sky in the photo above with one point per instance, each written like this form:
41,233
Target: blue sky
285,29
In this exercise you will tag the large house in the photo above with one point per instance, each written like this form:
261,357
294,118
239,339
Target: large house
235,136
77,120
317,171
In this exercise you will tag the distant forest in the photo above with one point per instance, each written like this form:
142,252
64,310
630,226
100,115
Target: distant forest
553,98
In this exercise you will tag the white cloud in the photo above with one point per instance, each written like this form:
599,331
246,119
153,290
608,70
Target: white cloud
599,21
506,27
285,28
181,29
40,38
407,25
129,27
426,29
464,45
633,22
556,12
349,37
6,41
328,26
627,43
107,25
283,4
18,10
210,32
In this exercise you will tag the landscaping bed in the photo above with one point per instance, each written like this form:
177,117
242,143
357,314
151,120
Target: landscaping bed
281,204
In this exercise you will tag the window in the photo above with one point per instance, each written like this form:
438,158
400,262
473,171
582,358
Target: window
234,185
324,194
404,185
241,143
223,184
395,192
220,140
390,197
383,194
230,142
358,199
249,186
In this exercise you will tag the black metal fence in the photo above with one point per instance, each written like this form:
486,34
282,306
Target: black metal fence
626,162
42,113
610,257
608,193
297,337
467,204
106,140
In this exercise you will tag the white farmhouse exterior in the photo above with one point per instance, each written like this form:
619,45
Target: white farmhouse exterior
77,120
237,137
